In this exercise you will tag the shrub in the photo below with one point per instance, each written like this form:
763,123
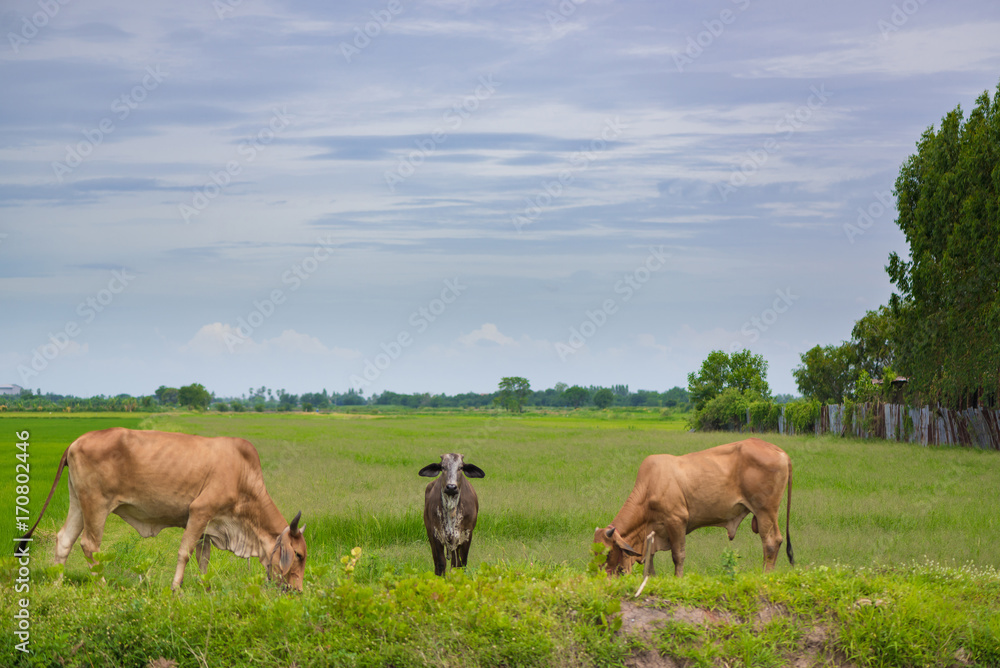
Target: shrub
802,415
726,412
764,415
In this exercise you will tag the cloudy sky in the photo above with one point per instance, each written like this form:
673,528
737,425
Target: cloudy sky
429,196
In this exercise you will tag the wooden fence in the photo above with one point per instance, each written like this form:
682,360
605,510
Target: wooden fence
972,427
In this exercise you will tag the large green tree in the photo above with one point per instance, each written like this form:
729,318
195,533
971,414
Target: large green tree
165,395
576,396
872,342
604,398
743,371
514,392
827,373
194,395
946,312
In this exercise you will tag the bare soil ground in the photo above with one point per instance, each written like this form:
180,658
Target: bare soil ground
642,620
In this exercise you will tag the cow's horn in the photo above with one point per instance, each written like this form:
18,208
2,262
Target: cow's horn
294,526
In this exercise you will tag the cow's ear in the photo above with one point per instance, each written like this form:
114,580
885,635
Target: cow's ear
431,470
473,471
286,555
625,547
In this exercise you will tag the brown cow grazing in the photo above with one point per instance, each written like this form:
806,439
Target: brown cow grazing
450,510
717,487
212,487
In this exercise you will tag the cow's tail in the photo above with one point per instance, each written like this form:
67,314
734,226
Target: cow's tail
788,518
62,465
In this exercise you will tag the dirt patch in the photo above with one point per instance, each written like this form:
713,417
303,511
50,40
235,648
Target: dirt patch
642,621
650,659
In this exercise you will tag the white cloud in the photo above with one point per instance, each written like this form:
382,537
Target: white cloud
904,52
218,338
648,341
488,333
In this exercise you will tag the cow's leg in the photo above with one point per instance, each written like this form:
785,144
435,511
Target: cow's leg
676,535
71,529
203,550
438,554
95,513
463,554
198,519
770,536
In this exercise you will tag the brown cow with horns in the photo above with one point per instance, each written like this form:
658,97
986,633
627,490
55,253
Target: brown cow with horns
718,487
212,487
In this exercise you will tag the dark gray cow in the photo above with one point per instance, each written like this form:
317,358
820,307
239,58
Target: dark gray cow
450,510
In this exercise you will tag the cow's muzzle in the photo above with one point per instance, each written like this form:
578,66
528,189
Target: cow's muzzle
451,490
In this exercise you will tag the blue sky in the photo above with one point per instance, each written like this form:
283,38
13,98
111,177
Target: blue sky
429,196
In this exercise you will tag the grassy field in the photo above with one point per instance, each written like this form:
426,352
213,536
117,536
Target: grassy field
550,479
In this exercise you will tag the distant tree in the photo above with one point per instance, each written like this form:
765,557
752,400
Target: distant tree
316,399
166,395
710,380
576,396
872,342
351,398
743,371
194,395
286,401
676,396
604,397
513,392
827,373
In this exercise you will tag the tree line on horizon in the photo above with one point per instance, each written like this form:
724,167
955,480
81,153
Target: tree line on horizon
196,396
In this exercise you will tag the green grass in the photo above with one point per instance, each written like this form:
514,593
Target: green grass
863,512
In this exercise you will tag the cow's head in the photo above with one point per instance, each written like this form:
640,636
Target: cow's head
288,558
452,465
621,556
